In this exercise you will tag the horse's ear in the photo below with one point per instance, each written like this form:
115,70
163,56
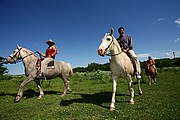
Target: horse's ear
18,46
112,31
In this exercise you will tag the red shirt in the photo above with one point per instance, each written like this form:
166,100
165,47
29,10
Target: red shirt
51,52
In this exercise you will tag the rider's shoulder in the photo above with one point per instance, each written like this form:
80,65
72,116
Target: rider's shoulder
128,35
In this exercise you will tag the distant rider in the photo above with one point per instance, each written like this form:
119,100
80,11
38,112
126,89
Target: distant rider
150,62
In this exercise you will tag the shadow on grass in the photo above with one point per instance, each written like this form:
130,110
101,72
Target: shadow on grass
9,94
30,93
96,98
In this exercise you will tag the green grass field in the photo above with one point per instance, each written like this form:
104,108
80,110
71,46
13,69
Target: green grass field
91,98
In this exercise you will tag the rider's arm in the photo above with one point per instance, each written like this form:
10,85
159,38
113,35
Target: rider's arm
40,53
55,51
130,43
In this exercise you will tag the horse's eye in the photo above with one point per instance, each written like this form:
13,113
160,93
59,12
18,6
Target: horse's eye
108,39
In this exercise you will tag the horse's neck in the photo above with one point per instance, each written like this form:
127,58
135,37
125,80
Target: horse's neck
118,56
116,50
28,57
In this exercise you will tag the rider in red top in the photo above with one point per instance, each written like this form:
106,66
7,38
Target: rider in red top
49,56
51,52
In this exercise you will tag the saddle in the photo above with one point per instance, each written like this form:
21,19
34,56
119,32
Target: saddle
147,69
50,65
132,61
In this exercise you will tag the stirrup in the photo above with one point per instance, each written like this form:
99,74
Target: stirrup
138,76
40,76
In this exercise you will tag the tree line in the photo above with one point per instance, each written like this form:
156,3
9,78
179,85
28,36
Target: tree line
160,63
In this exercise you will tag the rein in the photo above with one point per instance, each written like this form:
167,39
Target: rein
21,58
28,55
109,54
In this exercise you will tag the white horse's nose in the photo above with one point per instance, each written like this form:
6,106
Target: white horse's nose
8,60
101,51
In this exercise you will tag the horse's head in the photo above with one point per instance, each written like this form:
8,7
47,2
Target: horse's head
15,55
106,43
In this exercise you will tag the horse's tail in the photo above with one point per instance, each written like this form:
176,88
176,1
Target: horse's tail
71,70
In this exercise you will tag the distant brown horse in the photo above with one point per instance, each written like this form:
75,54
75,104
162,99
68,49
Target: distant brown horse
151,73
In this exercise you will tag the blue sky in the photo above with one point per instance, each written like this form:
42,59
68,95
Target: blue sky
77,27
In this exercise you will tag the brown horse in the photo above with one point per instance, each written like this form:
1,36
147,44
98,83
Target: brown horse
151,73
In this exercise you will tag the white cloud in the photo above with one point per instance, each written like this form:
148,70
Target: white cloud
161,19
177,39
177,21
158,55
144,55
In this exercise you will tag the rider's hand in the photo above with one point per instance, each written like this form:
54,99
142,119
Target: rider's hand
125,51
39,52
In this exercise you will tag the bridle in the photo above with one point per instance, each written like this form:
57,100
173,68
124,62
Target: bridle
19,58
12,57
109,54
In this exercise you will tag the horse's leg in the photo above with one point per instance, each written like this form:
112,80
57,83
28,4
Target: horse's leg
66,85
154,79
149,77
69,89
20,91
114,84
131,90
139,87
41,93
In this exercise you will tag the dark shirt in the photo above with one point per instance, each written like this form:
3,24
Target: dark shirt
125,42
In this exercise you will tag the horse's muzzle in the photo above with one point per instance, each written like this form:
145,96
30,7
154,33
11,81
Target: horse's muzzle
8,60
101,52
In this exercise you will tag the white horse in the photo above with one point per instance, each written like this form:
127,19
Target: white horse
61,69
120,64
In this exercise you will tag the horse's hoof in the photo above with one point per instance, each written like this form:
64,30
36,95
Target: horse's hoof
131,102
111,109
16,100
62,95
70,90
140,93
40,97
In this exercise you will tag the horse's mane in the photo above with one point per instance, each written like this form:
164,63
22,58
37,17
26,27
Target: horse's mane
116,42
29,52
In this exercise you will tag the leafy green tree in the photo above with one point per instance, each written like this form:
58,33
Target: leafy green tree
2,68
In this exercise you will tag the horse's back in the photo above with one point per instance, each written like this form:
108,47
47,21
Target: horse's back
64,67
152,70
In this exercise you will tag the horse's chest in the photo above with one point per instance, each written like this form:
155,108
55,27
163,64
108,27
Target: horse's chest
120,70
116,69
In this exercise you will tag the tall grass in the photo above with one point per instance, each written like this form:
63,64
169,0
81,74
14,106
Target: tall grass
91,98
